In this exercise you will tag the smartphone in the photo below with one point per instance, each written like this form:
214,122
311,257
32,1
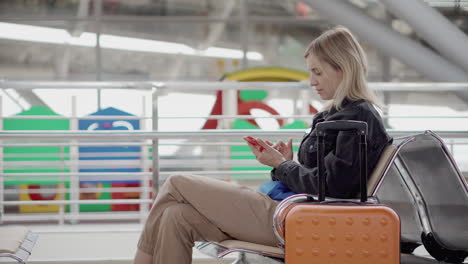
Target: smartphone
254,142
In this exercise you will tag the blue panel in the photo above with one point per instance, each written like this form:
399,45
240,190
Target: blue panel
109,152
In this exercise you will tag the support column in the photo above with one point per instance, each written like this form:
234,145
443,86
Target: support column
244,14
433,27
388,41
97,15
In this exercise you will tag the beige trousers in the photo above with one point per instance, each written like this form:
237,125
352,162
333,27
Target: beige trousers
191,208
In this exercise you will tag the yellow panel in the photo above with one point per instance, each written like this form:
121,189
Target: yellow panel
39,208
267,74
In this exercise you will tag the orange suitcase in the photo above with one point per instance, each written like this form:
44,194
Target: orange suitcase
342,231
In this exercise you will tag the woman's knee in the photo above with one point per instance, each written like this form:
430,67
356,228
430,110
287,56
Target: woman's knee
175,214
173,189
178,180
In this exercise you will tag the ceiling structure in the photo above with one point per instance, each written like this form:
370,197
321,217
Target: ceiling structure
277,29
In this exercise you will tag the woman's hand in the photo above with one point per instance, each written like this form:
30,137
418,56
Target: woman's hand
269,156
283,148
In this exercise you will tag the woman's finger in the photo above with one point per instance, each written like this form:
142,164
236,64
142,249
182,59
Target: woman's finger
284,145
275,146
264,144
254,149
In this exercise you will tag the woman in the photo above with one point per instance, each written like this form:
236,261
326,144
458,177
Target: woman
193,208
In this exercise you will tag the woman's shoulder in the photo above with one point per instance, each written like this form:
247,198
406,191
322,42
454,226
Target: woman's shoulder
367,109
368,112
361,110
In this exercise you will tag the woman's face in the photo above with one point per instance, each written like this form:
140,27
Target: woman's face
323,77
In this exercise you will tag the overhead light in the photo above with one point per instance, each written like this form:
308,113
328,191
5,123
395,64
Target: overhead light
33,33
359,3
145,45
231,53
87,39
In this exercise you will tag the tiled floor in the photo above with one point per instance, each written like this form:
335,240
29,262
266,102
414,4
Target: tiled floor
99,244
114,243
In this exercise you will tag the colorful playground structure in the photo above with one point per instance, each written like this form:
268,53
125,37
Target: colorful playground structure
56,159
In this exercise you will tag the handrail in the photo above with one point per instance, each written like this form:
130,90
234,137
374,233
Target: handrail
128,174
84,190
64,202
150,135
120,143
204,85
114,117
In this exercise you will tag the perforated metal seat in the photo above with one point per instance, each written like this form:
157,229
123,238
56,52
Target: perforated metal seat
429,192
420,180
249,252
16,242
256,253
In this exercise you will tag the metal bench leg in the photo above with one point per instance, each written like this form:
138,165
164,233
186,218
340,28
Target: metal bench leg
240,259
249,258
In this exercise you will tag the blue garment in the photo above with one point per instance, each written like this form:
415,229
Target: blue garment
276,190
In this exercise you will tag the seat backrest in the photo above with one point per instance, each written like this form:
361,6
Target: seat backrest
393,192
377,173
16,242
11,238
432,171
379,169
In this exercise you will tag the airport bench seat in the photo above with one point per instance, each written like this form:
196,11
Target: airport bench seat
419,179
16,242
255,253
248,252
426,188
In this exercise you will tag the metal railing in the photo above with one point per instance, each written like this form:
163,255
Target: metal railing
69,188
219,166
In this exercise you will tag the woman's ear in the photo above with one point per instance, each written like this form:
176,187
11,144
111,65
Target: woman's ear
340,74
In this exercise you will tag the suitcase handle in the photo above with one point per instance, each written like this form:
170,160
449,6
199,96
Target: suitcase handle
342,125
341,202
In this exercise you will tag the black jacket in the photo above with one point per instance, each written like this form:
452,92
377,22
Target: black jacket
341,153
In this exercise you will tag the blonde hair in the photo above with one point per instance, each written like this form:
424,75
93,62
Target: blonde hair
339,48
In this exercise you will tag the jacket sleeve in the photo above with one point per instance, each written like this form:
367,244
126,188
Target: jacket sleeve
341,170
273,175
317,118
